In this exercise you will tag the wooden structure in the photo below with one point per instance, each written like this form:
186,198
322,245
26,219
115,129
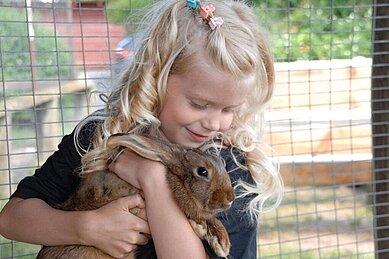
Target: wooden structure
45,102
319,122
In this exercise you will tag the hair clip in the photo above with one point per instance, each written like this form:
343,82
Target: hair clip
192,4
215,22
206,13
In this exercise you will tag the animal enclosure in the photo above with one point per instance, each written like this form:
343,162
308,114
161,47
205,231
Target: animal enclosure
327,124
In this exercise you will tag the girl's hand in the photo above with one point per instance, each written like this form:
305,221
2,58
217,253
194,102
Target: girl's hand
137,170
113,229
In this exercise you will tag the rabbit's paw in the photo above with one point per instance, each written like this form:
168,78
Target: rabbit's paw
220,247
198,228
218,238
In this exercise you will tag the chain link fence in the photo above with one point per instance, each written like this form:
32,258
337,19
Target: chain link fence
327,125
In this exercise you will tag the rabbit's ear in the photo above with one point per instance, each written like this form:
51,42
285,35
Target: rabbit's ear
144,146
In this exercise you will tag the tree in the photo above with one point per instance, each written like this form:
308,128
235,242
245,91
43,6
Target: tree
317,29
15,59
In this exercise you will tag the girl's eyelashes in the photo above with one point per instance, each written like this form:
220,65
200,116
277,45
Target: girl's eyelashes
205,106
232,109
199,106
228,110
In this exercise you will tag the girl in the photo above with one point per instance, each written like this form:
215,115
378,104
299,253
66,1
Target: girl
201,72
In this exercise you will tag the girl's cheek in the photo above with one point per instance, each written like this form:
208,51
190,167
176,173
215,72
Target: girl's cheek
227,121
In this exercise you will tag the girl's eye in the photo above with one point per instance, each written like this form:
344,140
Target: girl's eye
199,106
228,110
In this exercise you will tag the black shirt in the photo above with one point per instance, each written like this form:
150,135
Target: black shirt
58,178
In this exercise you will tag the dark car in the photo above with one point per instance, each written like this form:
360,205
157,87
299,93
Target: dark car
123,53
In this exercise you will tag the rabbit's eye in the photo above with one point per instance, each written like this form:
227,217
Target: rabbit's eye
202,171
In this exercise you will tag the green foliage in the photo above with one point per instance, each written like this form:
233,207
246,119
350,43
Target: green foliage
53,56
126,11
15,58
317,29
299,29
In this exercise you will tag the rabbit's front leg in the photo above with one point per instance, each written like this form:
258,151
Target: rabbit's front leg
217,237
214,233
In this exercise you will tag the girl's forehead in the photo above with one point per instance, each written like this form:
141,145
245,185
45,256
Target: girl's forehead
213,86
208,74
203,60
201,78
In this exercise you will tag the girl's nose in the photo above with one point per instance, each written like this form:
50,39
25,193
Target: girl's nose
212,121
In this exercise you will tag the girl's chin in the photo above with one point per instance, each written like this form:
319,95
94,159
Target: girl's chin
191,144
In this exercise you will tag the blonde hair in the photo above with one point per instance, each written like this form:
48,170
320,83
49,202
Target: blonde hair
168,44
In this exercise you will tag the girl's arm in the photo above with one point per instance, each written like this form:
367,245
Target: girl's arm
167,220
111,228
171,232
29,215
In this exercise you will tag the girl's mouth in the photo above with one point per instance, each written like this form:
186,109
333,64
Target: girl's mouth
197,137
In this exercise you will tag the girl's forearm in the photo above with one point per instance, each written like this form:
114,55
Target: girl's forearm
33,221
172,234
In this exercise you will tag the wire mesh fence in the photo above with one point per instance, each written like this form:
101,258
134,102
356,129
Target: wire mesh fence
54,55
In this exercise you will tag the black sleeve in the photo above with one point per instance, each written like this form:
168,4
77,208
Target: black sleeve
241,230
57,178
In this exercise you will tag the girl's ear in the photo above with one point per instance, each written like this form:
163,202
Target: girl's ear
144,146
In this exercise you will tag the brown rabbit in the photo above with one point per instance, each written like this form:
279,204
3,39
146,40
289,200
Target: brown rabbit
199,182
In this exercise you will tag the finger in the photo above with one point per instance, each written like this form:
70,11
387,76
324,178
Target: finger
133,201
143,239
126,250
131,238
138,225
136,222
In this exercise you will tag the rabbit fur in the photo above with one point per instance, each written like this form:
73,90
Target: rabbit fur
198,180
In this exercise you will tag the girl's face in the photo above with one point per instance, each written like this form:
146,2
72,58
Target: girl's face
198,104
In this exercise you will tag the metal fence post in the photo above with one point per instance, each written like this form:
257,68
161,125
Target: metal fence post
380,124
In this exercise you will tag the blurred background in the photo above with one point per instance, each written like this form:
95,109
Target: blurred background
328,124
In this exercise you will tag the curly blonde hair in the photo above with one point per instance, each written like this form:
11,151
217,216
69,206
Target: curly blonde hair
167,45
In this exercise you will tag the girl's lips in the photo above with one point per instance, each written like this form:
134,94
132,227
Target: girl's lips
196,137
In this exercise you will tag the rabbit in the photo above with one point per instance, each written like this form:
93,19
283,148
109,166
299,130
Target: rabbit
198,180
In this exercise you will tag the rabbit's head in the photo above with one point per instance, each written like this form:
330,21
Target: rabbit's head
195,176
206,177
